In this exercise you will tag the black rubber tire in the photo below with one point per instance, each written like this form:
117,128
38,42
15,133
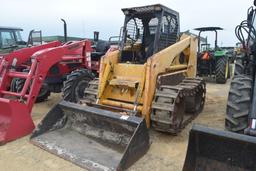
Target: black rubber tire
220,70
74,86
43,94
239,102
56,87
239,67
13,85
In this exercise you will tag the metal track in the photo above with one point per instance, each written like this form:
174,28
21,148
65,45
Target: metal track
90,93
174,107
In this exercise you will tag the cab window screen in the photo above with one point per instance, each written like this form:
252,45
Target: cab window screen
7,39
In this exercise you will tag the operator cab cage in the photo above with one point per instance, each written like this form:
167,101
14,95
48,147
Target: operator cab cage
147,30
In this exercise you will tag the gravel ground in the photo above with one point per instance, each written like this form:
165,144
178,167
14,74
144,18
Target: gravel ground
166,152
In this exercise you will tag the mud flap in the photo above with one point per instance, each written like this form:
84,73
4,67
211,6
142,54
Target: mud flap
92,138
216,150
15,120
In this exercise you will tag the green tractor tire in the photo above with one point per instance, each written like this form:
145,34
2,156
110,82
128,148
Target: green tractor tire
222,70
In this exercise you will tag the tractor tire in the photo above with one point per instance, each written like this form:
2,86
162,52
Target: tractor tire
239,67
74,86
239,102
13,85
43,94
221,70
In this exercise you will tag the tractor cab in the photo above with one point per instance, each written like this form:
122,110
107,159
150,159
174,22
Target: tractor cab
10,39
147,30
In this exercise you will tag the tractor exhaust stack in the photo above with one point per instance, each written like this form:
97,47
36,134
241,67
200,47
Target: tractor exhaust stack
65,30
92,138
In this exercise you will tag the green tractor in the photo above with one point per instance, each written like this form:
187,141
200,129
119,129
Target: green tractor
212,61
10,39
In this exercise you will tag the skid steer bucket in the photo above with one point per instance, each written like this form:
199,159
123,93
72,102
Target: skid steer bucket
216,150
15,120
92,138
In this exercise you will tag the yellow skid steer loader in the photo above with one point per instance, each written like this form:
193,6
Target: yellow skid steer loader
149,82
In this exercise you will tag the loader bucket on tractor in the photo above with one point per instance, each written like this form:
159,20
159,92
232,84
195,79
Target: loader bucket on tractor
92,138
216,150
15,120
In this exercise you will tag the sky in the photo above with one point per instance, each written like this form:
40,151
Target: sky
85,16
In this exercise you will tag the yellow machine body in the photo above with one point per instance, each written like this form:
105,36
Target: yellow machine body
132,86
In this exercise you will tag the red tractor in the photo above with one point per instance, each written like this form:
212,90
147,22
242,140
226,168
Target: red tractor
30,74
58,73
40,63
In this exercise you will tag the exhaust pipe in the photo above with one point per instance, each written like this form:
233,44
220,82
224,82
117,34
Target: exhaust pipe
65,30
218,150
92,138
96,36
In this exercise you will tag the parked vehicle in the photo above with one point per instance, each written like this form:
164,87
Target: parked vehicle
233,149
212,61
149,81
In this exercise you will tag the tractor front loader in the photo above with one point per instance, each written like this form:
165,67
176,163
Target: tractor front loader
21,62
232,149
15,107
60,72
149,82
